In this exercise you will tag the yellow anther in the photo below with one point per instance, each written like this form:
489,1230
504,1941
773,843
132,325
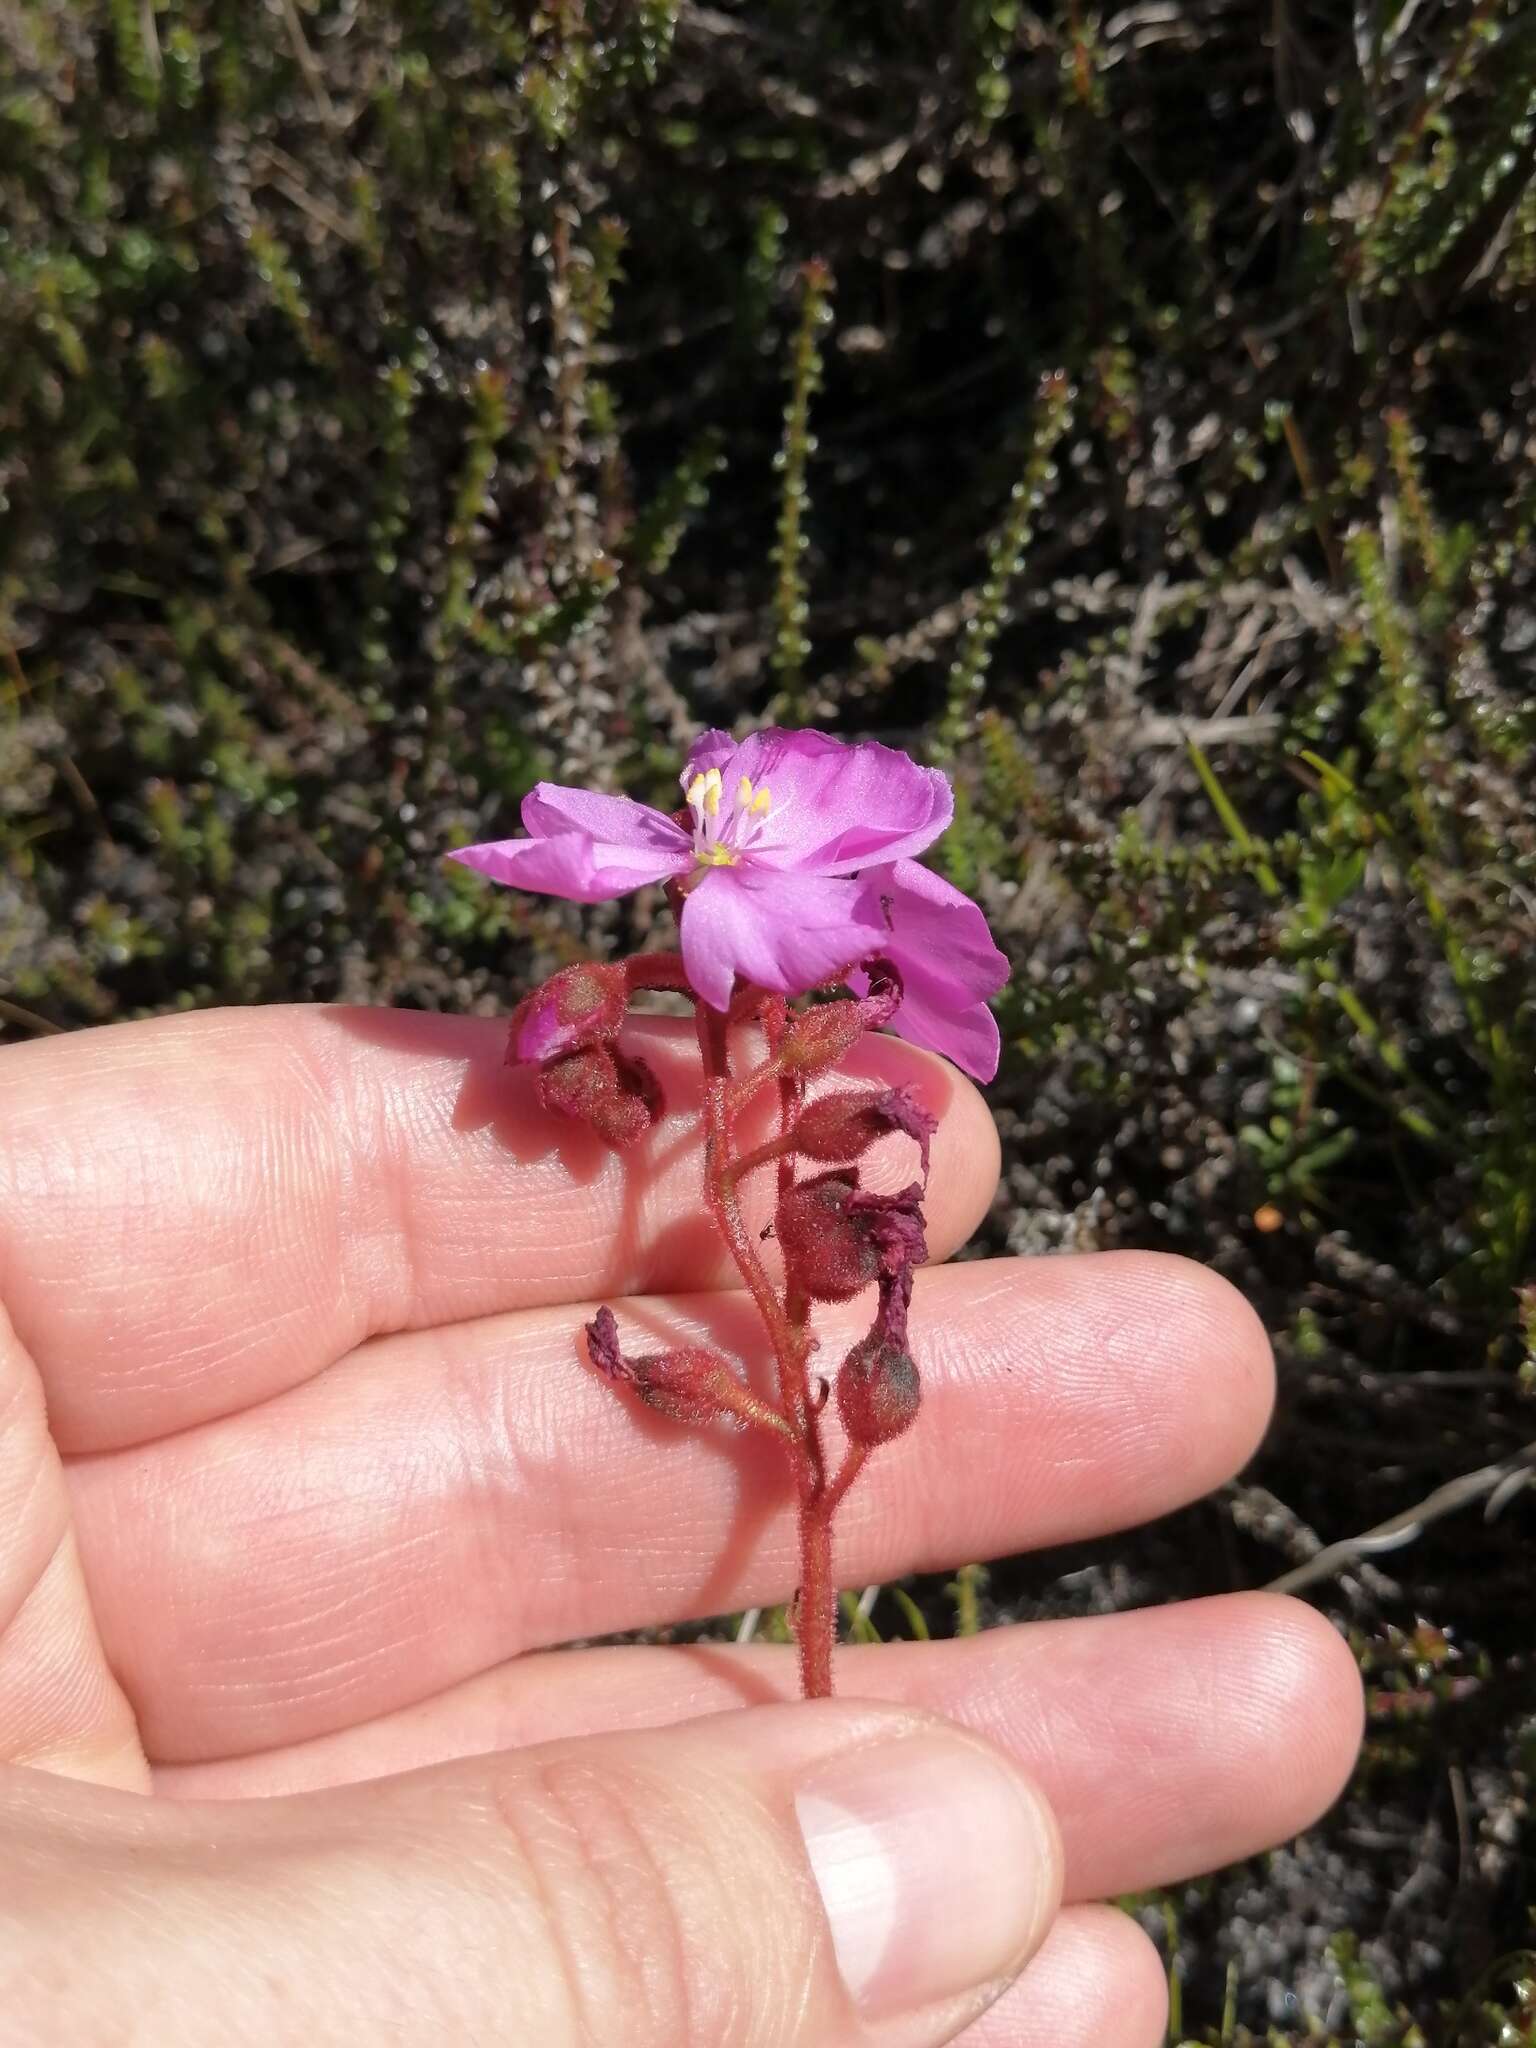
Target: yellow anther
696,788
744,791
712,793
763,801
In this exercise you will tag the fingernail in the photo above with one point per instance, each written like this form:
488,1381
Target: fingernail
936,1863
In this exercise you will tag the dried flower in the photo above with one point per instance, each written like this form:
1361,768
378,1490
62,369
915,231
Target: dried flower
617,1095
691,1384
837,1239
837,1129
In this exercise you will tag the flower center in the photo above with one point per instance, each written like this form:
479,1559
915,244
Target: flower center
724,829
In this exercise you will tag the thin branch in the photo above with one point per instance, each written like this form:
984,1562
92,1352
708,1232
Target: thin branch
1495,1483
304,56
13,1013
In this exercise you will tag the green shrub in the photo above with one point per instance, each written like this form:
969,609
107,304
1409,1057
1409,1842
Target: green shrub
1132,407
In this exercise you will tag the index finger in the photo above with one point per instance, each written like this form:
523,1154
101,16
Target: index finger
198,1212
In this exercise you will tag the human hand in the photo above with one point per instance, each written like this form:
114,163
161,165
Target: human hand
324,1472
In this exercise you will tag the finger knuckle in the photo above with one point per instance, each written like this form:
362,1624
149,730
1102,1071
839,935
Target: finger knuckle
636,1882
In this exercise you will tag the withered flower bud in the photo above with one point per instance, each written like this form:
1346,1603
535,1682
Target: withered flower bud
836,1239
878,1391
577,1007
825,1252
688,1385
618,1096
840,1128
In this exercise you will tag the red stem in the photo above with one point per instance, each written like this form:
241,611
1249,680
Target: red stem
816,1606
764,1155
787,1325
816,1613
853,1465
719,1192
659,970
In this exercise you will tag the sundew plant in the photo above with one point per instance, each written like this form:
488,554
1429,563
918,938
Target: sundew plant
790,869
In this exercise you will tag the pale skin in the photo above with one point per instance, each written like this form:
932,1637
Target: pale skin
303,1474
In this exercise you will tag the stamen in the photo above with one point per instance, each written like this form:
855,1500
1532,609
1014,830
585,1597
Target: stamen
762,802
717,831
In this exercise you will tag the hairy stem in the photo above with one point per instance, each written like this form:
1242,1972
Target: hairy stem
719,1179
787,1325
764,1155
741,1091
853,1464
816,1607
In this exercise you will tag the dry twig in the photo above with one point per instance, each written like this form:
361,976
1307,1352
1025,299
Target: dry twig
1498,1484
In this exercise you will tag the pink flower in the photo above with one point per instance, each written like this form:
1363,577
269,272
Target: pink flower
939,944
793,859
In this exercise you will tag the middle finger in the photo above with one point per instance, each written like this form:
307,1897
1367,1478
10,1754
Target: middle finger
443,1500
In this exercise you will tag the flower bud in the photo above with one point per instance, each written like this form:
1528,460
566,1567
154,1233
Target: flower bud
618,1096
577,1007
819,1037
878,1392
839,1128
836,1239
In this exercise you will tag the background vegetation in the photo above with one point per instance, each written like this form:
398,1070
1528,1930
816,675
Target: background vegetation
1134,404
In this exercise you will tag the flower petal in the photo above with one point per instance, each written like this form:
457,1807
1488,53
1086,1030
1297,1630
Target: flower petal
949,965
838,807
551,808
571,865
784,932
711,749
